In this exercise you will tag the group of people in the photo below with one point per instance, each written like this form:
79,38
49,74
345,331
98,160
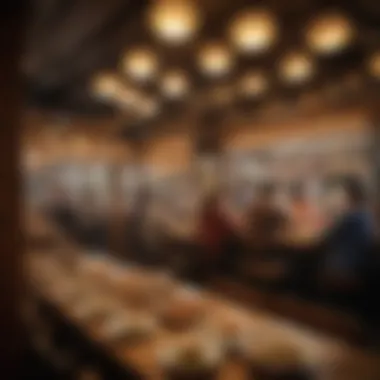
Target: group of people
344,248
345,244
86,226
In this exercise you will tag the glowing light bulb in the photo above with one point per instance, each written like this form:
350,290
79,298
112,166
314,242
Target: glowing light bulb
253,84
174,21
253,31
140,64
215,60
330,33
175,84
106,86
296,68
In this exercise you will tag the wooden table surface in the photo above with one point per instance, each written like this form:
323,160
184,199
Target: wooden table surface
349,363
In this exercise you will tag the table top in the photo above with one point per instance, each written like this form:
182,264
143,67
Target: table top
317,349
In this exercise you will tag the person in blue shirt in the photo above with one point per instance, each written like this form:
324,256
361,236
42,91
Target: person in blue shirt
349,241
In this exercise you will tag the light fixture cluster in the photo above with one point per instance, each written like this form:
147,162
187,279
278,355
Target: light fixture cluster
251,33
112,88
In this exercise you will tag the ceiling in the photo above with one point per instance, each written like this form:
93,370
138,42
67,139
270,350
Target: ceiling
70,41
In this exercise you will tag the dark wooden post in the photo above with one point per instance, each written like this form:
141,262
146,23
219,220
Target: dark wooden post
209,144
372,107
11,33
134,136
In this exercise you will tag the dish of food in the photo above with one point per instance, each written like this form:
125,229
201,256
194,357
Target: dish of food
130,328
191,359
275,360
185,309
90,309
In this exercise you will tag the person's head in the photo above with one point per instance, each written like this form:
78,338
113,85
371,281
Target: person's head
143,195
59,195
211,202
355,191
298,193
89,199
265,193
88,206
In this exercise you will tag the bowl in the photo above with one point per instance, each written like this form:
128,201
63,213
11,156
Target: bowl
195,358
273,360
183,310
129,327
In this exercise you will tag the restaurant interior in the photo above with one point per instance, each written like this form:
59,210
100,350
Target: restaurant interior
198,189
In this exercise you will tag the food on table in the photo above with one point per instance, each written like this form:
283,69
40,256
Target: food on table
129,327
199,359
276,360
232,332
183,310
63,292
138,294
162,284
97,307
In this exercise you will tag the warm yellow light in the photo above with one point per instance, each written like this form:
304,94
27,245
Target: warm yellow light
175,84
174,21
140,64
215,60
296,68
330,33
148,108
374,65
127,98
106,86
253,84
253,31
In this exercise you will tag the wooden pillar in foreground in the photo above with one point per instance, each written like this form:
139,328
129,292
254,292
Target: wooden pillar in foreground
11,33
374,120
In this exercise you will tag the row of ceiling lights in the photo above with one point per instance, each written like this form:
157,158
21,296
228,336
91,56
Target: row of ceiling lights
252,32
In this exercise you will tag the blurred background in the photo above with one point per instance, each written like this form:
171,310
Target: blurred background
193,179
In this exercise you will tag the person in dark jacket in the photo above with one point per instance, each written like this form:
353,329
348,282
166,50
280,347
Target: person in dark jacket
61,213
349,241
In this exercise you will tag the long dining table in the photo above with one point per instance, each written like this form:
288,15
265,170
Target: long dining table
48,273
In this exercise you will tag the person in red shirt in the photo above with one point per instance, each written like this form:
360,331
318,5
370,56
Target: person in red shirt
214,235
266,222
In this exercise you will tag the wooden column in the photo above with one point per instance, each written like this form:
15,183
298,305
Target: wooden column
134,137
374,119
11,33
208,142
